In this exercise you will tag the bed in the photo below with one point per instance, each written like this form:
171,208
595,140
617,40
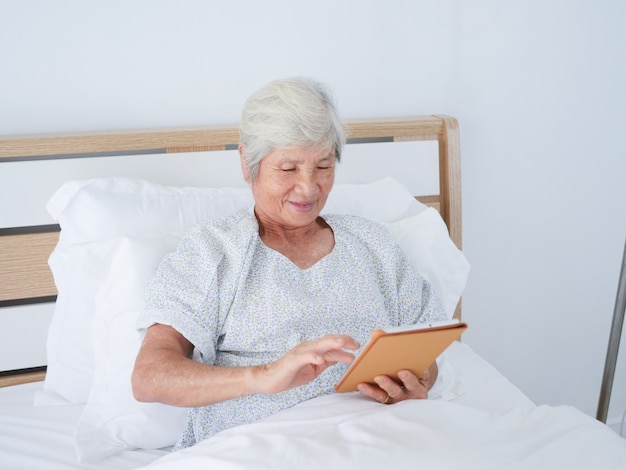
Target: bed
90,264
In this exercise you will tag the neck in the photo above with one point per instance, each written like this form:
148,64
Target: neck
304,246
290,235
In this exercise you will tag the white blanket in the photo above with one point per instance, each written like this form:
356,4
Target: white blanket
487,424
349,432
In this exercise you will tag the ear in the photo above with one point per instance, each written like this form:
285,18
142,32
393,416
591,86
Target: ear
244,169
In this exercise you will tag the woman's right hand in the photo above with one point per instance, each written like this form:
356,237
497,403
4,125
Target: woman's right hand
305,362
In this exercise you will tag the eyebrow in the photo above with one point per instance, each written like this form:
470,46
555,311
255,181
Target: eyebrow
287,159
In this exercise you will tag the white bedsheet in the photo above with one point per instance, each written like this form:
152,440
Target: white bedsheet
487,424
41,438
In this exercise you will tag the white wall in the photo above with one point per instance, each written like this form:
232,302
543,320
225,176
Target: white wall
538,88
541,96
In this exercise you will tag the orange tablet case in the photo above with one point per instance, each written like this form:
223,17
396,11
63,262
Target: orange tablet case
387,353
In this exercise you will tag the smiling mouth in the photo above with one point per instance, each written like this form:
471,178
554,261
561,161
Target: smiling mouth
302,206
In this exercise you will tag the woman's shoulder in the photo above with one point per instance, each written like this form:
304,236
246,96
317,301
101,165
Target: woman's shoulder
242,220
226,231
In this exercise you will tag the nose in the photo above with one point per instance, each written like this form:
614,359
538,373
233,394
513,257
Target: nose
307,183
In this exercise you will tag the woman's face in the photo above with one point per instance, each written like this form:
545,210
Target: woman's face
292,185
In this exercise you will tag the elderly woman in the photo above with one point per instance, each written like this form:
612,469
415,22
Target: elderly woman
260,310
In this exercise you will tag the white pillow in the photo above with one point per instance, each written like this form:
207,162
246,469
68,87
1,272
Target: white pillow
113,421
425,240
383,201
69,348
107,207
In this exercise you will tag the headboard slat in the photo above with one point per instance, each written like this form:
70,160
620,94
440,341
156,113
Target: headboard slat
24,271
106,142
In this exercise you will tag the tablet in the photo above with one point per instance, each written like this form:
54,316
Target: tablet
413,347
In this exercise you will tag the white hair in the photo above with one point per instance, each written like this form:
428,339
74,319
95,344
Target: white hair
289,113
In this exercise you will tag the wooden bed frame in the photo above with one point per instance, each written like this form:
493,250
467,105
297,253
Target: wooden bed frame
25,277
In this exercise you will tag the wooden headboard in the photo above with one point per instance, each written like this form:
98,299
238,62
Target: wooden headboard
24,273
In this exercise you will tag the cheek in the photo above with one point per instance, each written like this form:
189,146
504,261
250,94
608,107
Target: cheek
327,181
272,188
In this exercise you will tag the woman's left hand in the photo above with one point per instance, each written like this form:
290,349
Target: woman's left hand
408,386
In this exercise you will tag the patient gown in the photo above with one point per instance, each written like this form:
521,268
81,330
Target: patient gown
240,303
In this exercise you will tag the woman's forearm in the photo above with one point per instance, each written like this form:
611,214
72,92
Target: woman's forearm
164,373
179,381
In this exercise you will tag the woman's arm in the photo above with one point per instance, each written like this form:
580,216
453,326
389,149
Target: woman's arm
164,371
